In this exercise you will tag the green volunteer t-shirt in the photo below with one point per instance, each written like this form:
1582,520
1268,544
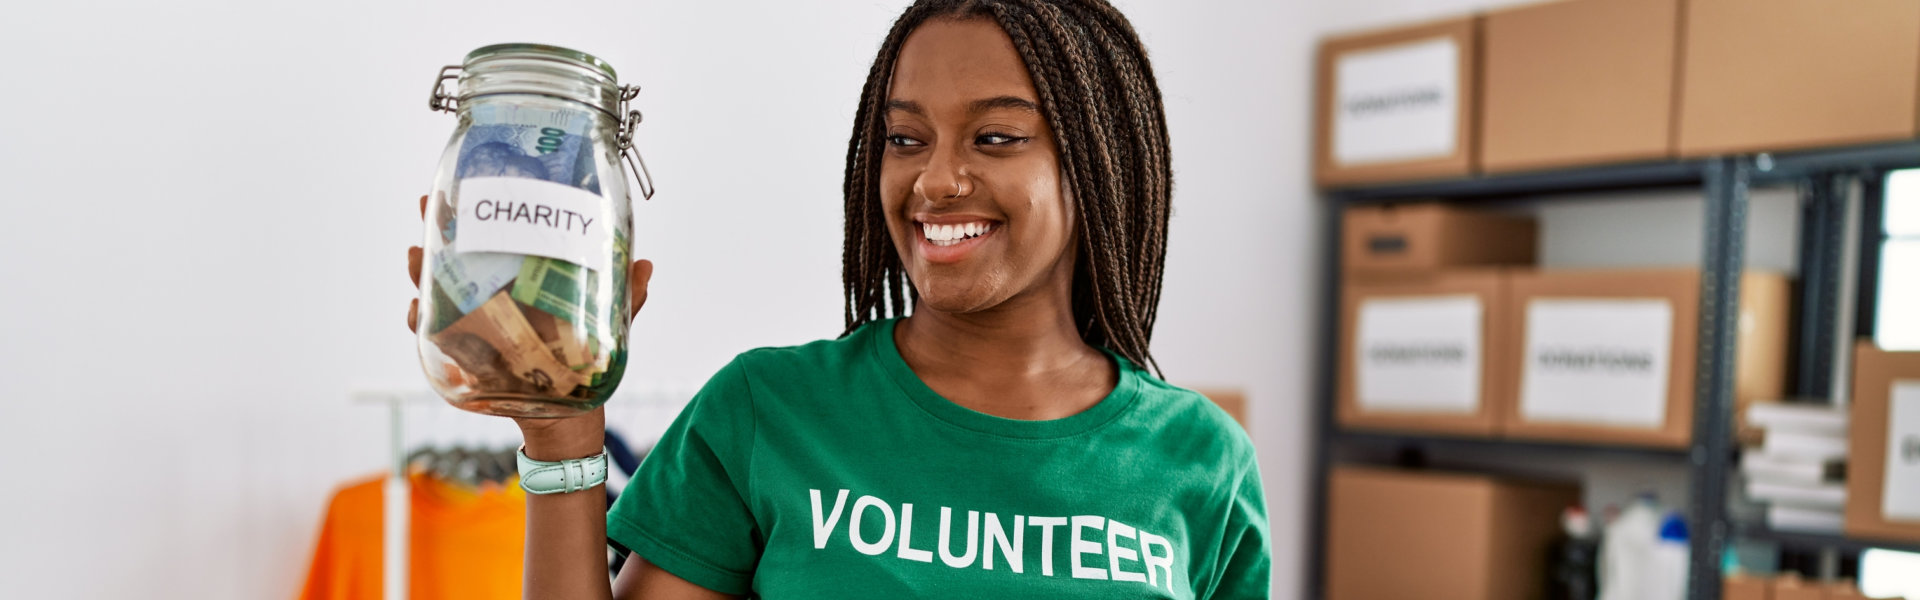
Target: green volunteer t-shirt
831,471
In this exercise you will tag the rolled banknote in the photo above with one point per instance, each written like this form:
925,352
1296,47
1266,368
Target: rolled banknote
560,337
500,350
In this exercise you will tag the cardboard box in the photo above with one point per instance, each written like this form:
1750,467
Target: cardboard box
1608,356
1391,239
1578,82
1790,587
1845,590
1421,353
1397,105
1883,457
1746,587
1232,401
1394,535
1768,75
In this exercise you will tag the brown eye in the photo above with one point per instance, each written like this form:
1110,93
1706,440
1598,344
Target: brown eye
903,141
995,139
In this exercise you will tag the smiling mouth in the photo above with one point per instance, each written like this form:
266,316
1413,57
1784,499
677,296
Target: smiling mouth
955,233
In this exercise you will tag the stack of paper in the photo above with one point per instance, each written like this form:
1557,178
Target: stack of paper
1799,467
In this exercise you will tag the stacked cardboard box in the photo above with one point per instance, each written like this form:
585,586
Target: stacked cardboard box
1420,353
1787,587
1578,82
1233,401
1393,535
1883,483
1397,104
1422,315
1445,329
1391,240
1770,75
1608,356
1586,82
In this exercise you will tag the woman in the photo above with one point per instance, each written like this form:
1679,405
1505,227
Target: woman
1008,179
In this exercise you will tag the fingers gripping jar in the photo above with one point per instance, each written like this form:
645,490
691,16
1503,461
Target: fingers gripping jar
523,291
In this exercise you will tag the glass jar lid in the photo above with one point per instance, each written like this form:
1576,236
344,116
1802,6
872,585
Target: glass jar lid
537,69
541,51
545,70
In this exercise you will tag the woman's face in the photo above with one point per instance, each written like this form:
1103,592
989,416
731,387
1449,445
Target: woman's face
970,181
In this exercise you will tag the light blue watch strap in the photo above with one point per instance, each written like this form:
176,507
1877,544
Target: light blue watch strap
541,477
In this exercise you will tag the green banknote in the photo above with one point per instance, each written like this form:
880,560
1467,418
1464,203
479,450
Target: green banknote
621,260
565,290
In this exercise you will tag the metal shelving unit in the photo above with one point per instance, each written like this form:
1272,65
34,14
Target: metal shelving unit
1824,178
1446,443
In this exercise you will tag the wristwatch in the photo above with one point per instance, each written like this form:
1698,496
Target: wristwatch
541,477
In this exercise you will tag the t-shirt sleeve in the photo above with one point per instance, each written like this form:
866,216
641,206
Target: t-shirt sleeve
1246,564
686,510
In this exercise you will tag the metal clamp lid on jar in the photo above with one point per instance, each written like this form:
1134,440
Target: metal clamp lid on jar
548,71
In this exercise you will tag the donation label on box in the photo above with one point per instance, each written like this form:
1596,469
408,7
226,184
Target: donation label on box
1900,498
1597,361
1397,103
1419,354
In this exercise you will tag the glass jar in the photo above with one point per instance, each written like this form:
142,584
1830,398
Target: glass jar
529,231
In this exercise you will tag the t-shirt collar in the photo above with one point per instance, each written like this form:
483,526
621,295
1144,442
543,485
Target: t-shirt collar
888,355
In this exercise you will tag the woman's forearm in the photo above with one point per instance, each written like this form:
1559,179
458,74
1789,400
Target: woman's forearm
566,550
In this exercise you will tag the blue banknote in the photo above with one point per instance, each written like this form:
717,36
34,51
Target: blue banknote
471,279
548,144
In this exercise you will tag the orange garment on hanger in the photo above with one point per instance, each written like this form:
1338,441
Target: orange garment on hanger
465,544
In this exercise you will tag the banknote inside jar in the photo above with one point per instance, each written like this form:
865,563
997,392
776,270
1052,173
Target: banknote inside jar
514,323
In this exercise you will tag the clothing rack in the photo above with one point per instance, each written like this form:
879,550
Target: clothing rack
639,410
397,494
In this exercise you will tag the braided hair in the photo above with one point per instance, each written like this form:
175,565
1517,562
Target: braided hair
1098,93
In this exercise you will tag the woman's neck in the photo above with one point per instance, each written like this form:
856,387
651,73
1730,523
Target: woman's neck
1019,360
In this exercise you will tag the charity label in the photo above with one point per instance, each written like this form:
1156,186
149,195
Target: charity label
1597,361
1397,103
1419,354
532,217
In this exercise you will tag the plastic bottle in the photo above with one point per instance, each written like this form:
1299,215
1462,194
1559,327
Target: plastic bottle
1668,563
1573,559
1635,563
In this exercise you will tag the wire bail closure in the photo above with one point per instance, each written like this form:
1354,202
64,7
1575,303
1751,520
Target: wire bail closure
439,100
635,164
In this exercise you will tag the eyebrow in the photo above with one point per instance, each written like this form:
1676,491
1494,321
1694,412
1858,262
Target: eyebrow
1000,102
973,108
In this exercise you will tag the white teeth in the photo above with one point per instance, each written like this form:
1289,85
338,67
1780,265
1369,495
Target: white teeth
947,235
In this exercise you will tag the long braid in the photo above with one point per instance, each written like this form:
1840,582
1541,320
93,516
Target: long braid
1098,93
1057,88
